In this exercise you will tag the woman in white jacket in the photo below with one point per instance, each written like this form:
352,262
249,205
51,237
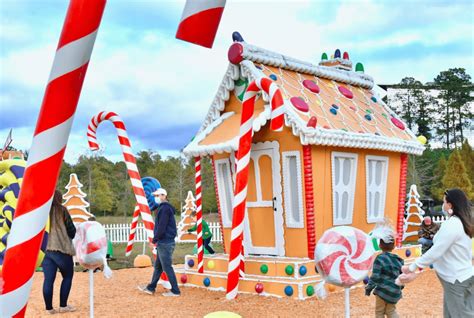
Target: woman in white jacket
451,256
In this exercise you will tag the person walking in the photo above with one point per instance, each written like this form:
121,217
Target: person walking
164,236
59,253
451,256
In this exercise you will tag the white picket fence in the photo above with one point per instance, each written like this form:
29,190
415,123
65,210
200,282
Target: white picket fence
118,233
439,219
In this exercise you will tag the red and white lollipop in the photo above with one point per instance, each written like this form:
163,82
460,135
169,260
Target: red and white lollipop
344,255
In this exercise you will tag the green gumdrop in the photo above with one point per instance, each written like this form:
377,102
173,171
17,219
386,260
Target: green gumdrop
310,290
359,67
289,270
324,57
264,268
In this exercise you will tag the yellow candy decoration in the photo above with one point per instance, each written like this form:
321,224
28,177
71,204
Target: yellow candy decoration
422,139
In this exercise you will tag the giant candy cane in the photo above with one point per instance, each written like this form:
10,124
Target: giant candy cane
133,229
47,151
129,161
200,250
243,158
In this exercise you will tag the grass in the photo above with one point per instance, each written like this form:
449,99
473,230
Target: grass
121,261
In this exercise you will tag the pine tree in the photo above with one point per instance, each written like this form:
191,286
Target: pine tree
437,188
456,176
467,155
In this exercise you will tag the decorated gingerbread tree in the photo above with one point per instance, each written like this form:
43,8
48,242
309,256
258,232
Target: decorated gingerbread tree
75,203
186,220
414,215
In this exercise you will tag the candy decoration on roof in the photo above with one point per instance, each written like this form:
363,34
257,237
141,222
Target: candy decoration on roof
235,53
237,37
312,86
359,67
47,151
299,104
374,99
333,111
273,77
241,85
200,21
345,56
368,117
130,161
312,122
345,92
241,182
422,139
337,54
324,57
397,122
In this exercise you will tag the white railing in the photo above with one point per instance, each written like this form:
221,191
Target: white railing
118,233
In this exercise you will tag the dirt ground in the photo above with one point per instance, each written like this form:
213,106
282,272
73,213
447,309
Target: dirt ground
119,297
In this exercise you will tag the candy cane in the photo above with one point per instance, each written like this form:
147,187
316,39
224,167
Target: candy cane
129,161
133,229
47,151
200,250
243,159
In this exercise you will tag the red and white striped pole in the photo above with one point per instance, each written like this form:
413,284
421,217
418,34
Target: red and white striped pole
200,21
129,161
402,193
200,249
243,159
133,229
47,151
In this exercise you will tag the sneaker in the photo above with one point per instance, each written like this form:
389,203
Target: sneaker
68,308
52,311
170,294
146,290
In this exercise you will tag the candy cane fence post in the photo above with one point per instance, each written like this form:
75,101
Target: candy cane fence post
200,250
129,161
47,151
133,229
243,159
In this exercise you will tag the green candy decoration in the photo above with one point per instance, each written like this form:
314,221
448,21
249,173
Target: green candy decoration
324,57
310,290
359,67
264,268
375,244
289,270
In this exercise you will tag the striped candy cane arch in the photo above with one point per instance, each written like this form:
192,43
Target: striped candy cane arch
47,151
200,250
130,161
243,159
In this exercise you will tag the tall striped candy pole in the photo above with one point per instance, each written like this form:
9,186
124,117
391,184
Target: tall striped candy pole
402,192
47,151
129,161
133,229
200,250
200,21
243,159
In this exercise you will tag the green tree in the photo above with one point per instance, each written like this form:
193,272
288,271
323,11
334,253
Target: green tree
467,155
438,174
456,176
102,197
455,90
404,101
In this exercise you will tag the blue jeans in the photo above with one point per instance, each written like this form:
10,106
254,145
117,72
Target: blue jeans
163,262
51,263
207,246
426,242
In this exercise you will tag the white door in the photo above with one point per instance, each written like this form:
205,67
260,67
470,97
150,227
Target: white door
263,223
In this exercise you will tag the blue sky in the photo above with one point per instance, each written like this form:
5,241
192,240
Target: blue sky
163,87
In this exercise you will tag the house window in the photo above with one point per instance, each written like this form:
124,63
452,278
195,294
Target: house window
224,190
293,189
376,174
344,174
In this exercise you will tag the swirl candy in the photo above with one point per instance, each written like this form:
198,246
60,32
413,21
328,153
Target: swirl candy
344,255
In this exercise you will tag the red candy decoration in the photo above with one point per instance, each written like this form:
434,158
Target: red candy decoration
235,53
299,104
312,86
184,278
345,56
259,287
312,122
326,126
397,123
352,107
344,91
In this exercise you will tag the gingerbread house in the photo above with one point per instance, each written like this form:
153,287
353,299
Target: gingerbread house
341,158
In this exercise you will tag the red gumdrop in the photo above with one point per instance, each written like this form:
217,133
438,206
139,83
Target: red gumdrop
312,122
184,278
346,92
312,86
397,123
299,104
235,53
259,287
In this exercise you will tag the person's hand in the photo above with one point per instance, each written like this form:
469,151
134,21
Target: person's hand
431,236
406,269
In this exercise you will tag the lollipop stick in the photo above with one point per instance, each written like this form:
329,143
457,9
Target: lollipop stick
347,306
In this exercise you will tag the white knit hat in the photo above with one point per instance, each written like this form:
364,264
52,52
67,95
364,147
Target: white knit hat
160,191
